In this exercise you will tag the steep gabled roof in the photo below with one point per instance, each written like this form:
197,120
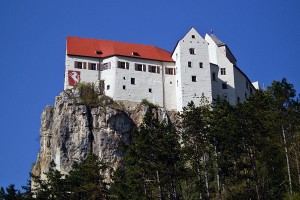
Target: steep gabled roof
106,48
217,40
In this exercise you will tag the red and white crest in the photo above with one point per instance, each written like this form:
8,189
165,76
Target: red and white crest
73,77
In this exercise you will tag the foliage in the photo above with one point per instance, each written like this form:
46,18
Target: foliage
219,151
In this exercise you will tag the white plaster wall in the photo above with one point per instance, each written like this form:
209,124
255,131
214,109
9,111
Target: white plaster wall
170,88
86,75
192,91
223,62
144,80
212,52
240,85
109,76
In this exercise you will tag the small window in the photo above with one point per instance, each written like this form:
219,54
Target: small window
124,87
135,54
238,99
189,64
78,65
223,71
214,76
107,87
124,78
170,71
99,52
140,67
193,36
194,78
192,51
201,64
133,81
92,66
150,90
123,65
224,85
152,69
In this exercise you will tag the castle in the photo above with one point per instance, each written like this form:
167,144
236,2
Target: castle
127,71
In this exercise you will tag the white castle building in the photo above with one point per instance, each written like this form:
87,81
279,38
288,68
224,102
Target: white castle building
127,71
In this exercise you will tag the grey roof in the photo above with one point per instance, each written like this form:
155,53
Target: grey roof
217,40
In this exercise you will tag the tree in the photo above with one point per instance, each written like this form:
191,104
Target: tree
197,149
151,163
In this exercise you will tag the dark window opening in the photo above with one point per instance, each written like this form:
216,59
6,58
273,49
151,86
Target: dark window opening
214,76
124,87
107,87
170,71
193,36
194,78
189,64
133,81
78,65
123,65
92,66
223,71
150,90
201,64
192,51
152,69
99,52
135,54
224,85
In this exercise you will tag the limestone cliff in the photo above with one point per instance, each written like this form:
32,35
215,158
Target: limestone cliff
69,131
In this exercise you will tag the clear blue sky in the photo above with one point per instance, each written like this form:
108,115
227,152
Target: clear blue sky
263,35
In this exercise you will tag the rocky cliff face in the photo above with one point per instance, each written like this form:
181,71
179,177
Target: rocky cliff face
69,131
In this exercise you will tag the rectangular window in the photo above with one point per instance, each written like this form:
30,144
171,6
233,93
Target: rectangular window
106,66
124,87
92,66
123,65
214,76
133,81
107,87
223,71
192,51
194,78
152,68
189,64
224,85
201,64
78,65
170,71
193,36
150,90
140,67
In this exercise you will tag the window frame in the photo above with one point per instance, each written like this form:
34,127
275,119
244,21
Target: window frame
194,78
223,71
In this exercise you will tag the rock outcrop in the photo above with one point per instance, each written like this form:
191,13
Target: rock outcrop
69,131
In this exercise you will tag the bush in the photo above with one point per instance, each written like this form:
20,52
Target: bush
87,94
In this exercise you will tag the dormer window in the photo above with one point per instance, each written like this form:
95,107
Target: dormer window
99,52
135,53
192,51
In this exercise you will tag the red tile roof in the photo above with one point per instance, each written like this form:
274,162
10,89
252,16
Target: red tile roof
106,48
